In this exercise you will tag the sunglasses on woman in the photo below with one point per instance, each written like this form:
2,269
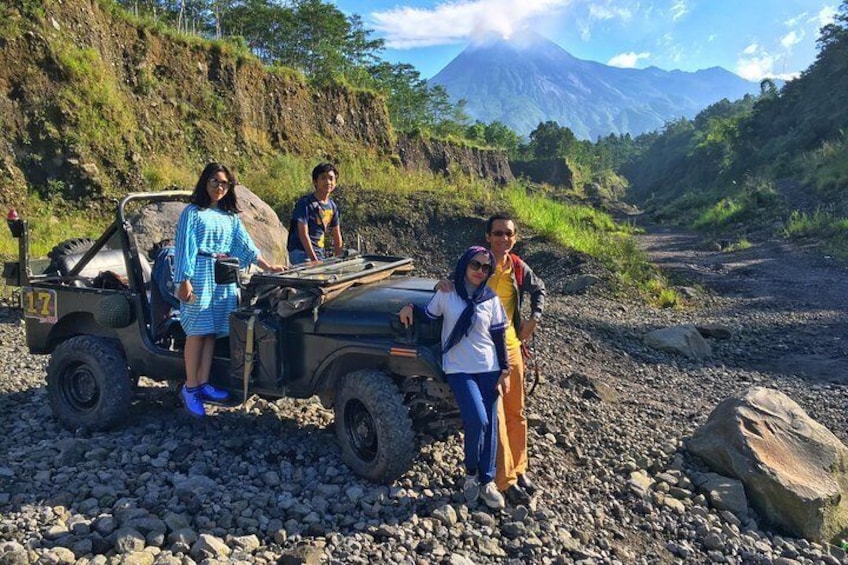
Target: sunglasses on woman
215,183
476,265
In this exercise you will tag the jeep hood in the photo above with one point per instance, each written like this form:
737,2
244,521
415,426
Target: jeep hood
371,309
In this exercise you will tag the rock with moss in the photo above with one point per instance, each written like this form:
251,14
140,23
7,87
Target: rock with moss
795,471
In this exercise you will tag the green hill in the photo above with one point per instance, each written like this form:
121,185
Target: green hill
779,159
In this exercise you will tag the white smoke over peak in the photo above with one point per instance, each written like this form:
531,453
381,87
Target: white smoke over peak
454,22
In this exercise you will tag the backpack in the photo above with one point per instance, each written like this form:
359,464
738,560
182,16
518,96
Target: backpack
163,275
518,269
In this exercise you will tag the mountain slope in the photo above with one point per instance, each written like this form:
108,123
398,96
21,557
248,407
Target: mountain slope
522,83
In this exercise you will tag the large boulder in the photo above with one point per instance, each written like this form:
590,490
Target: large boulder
683,340
158,221
795,471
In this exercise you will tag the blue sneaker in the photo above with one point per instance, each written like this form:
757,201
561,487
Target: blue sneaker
213,393
191,401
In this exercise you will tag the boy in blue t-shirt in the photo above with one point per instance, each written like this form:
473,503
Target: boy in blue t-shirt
314,216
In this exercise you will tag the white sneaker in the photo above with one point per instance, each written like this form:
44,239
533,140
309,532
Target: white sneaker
471,488
490,495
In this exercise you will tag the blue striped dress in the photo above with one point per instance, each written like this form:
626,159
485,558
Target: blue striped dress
202,232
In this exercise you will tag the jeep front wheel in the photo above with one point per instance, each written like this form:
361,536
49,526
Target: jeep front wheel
88,383
373,426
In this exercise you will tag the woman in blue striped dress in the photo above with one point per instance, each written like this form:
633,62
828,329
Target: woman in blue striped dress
209,227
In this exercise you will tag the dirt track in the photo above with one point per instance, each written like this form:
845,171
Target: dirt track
771,277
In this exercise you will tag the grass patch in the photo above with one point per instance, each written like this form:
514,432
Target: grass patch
594,233
724,212
740,245
824,226
16,15
163,172
281,179
753,202
49,224
826,168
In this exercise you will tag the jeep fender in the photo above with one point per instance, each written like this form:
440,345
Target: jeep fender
397,361
77,323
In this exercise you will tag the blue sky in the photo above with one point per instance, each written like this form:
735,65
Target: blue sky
753,38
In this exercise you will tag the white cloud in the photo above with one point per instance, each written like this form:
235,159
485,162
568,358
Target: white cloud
457,21
757,63
610,12
585,30
454,22
679,9
797,20
755,68
627,60
825,16
792,38
669,49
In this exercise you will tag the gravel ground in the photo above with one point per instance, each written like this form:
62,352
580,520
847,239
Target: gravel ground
608,424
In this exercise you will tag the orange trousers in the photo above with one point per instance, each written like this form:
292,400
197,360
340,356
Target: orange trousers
512,426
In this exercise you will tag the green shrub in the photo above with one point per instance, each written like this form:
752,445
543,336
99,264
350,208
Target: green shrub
740,245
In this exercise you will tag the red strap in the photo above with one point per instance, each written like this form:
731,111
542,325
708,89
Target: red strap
518,269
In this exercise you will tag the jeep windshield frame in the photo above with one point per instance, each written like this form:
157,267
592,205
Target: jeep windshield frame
130,246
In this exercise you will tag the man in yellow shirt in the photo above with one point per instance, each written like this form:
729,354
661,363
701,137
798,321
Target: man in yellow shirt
512,279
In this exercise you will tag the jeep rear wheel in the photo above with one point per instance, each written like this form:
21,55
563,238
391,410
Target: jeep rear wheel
88,383
373,426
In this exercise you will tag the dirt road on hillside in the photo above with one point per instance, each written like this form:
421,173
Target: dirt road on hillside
773,277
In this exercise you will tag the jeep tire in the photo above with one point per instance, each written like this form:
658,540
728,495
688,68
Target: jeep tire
373,426
65,248
88,383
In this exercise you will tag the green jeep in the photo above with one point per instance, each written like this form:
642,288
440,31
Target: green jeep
329,330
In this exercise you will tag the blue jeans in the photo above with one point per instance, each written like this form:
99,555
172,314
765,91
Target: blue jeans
297,256
477,397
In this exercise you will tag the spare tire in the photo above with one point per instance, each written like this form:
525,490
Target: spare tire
67,247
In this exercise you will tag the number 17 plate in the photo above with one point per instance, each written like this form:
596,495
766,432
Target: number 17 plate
40,303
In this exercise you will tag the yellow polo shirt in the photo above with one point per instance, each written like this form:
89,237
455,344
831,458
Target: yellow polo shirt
501,284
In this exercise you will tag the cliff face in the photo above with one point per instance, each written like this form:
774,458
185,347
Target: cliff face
554,172
88,98
446,158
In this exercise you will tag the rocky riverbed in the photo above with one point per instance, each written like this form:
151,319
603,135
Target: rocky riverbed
608,426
